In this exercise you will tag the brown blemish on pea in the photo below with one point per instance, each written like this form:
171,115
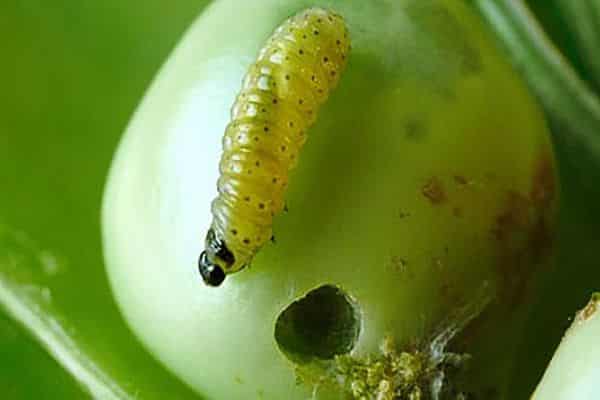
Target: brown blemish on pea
457,212
434,191
523,233
513,218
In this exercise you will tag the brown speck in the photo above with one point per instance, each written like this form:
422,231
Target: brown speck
403,214
399,264
434,191
457,212
590,309
415,129
461,180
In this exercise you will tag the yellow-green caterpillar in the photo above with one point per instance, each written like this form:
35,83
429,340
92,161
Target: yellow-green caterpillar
281,94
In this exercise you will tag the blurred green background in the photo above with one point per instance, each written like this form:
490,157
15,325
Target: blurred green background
72,73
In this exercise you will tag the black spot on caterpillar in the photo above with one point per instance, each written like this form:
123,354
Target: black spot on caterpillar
282,91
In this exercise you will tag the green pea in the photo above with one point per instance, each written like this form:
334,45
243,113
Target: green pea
421,212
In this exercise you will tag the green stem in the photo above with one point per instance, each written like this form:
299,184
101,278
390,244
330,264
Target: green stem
30,304
583,18
567,99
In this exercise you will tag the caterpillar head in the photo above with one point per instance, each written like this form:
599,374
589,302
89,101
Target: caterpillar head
214,260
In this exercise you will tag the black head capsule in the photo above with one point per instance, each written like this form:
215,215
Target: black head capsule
212,274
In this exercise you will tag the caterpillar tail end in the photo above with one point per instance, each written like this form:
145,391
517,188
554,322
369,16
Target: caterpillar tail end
212,274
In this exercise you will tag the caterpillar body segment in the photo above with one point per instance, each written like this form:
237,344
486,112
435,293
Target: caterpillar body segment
281,94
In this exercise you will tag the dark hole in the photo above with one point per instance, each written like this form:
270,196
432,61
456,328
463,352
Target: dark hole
321,325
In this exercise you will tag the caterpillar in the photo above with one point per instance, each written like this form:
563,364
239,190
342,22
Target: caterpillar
281,93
